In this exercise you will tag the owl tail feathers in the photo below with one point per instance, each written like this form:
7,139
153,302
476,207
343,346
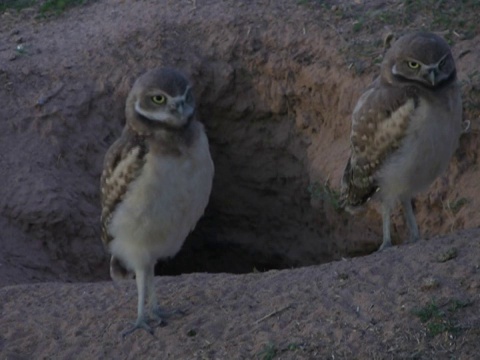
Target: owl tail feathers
118,271
355,190
354,210
350,208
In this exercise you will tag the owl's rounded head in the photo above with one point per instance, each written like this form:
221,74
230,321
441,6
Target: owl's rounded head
420,58
161,98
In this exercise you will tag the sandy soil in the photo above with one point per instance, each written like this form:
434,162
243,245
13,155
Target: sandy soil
361,308
276,82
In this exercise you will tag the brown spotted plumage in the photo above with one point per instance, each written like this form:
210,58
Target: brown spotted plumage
155,184
405,128
123,163
379,123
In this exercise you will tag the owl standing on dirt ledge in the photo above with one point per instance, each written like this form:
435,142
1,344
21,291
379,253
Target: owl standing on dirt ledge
405,128
155,184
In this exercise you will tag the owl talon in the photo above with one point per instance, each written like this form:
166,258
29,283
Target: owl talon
140,324
384,246
413,239
161,315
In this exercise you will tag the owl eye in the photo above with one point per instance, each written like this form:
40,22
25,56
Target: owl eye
442,63
413,65
158,99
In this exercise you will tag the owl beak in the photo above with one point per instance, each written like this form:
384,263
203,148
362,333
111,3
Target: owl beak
178,106
432,76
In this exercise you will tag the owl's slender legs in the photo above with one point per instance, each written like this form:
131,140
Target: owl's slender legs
146,291
159,314
151,295
142,278
156,311
387,240
410,219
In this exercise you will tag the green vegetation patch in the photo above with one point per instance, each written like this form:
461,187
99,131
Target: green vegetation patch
44,7
440,319
16,4
326,193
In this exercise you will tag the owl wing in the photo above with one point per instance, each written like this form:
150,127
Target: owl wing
379,123
123,162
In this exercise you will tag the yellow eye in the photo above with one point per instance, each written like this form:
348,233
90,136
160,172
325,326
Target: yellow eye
158,99
413,65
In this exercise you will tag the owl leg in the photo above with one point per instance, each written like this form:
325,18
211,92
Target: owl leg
159,313
387,240
410,219
152,296
156,311
142,279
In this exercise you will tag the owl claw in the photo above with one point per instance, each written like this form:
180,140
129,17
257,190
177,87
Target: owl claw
160,314
384,246
140,324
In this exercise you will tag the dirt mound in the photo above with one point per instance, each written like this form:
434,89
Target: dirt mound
411,302
275,95
276,83
63,106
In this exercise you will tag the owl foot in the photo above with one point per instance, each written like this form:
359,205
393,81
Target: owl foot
384,246
140,324
413,239
160,315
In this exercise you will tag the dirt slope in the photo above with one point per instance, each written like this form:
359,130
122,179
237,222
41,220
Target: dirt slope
276,82
362,308
275,85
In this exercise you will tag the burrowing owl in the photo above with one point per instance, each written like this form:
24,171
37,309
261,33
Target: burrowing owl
405,128
156,182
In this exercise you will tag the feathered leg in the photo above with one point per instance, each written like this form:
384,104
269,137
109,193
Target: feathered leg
387,240
410,219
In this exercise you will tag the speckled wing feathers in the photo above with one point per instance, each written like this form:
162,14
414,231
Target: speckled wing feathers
379,123
123,163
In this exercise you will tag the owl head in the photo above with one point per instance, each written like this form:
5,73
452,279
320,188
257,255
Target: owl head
160,99
421,59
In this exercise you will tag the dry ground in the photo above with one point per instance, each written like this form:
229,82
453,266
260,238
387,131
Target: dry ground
276,82
411,302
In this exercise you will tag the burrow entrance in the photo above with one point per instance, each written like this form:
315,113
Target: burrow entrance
279,146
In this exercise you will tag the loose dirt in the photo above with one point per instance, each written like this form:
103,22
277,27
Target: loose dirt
276,82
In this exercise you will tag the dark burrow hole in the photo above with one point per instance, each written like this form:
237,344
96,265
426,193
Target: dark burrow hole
205,251
261,215
217,257
262,220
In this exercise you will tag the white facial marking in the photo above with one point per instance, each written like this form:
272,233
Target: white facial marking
158,116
